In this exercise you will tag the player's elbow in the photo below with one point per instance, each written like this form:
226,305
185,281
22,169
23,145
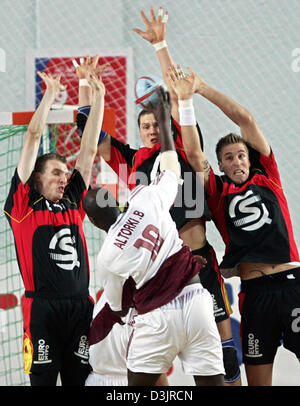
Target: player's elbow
90,151
245,118
87,154
34,132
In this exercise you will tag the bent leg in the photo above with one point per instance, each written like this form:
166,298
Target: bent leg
213,380
212,280
162,380
230,359
141,379
259,375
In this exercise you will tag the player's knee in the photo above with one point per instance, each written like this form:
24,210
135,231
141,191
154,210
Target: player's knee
231,363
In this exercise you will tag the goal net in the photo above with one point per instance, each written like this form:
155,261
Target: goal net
60,136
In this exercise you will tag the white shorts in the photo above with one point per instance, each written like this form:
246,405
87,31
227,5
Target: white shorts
95,379
185,327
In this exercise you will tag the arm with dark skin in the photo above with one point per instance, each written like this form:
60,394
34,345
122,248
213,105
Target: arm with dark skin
155,32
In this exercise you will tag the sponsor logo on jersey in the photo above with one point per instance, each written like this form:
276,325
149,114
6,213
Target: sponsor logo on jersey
58,206
248,212
63,250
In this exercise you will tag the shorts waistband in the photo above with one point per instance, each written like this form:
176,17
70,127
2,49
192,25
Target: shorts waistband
50,295
289,276
187,293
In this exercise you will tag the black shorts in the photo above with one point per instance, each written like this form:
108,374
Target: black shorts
56,333
270,315
213,281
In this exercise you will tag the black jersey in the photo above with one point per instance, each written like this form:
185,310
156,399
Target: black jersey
140,166
49,240
253,218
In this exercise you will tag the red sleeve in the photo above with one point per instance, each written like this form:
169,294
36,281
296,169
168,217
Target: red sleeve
76,190
121,159
271,168
17,206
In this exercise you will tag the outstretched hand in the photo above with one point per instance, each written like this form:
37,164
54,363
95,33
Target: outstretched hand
155,28
96,83
53,84
184,84
88,66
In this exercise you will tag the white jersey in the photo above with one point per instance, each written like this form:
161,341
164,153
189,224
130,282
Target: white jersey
141,239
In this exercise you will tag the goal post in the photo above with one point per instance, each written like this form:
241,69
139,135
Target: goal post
60,136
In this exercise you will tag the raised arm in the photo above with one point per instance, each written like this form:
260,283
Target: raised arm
155,34
162,112
36,127
184,85
86,96
250,130
90,136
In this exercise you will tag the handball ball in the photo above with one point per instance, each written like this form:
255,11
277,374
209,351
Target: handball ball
145,90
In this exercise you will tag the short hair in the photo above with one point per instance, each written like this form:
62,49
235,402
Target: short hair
143,113
228,140
101,207
41,161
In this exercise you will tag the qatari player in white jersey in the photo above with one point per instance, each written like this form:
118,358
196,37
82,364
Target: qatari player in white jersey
174,312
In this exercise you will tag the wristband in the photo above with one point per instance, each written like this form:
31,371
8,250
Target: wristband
160,45
84,82
169,160
186,112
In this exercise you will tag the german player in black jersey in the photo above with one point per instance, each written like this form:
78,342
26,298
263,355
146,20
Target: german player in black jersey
251,213
44,210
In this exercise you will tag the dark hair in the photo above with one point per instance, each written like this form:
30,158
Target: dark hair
141,114
228,140
101,207
41,161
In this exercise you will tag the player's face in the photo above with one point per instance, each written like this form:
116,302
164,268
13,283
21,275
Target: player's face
149,130
52,182
235,162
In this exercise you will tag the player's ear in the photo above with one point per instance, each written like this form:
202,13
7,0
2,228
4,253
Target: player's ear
221,166
37,180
